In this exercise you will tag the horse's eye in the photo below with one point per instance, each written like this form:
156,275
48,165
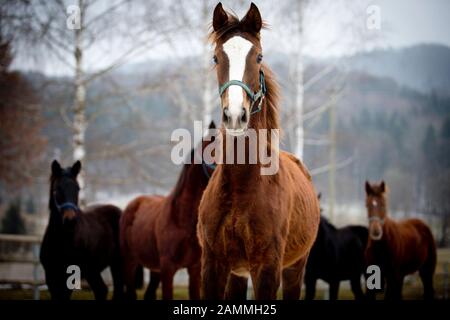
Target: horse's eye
259,58
214,59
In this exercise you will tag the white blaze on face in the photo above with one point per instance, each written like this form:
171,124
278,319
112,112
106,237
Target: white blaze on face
237,49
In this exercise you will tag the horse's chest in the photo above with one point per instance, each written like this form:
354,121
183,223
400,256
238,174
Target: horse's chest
241,236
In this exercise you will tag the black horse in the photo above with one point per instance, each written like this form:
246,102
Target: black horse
337,254
88,239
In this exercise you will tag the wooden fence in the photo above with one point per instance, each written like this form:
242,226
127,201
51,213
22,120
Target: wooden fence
35,243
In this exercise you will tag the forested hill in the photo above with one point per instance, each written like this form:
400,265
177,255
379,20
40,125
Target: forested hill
389,121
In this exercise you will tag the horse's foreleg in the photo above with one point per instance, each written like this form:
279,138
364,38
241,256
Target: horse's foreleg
236,288
426,275
97,285
394,287
213,277
266,280
427,280
310,286
334,289
57,286
168,270
194,281
129,269
155,279
355,284
293,280
117,277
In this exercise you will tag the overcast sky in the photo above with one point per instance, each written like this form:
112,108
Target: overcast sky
416,21
403,23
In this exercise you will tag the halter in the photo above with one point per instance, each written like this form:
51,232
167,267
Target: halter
67,205
376,218
207,166
254,96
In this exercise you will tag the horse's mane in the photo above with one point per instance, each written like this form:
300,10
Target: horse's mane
327,222
51,203
180,185
272,99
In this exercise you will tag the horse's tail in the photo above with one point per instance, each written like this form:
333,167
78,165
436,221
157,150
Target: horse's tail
362,233
432,253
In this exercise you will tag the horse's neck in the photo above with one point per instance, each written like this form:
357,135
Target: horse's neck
240,178
55,223
54,218
389,227
192,190
388,238
265,120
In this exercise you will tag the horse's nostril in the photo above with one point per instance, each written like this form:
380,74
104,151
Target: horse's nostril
226,114
243,116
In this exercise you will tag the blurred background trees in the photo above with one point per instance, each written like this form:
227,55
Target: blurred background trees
22,142
12,222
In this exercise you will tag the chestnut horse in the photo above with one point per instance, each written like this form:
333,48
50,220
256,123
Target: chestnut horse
249,223
398,248
159,232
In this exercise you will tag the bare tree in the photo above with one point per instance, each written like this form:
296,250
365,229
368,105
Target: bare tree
298,80
89,40
21,143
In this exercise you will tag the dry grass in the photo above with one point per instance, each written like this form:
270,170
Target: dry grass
412,288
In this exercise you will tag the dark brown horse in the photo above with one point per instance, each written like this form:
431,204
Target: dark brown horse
337,254
159,232
398,248
88,239
249,223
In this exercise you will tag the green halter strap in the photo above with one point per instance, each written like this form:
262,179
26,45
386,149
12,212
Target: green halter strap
254,96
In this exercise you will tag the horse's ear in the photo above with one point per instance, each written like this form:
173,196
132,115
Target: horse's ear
220,17
368,188
252,21
212,125
76,168
56,168
382,187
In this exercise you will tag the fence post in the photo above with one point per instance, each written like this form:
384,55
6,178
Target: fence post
36,293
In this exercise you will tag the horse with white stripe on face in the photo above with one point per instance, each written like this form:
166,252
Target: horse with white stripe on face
252,224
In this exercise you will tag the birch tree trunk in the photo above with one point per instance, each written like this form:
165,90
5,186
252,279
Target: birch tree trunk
79,123
298,80
206,59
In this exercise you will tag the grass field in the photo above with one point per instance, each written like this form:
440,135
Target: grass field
412,288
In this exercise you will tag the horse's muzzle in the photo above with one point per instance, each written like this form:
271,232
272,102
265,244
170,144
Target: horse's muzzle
376,233
235,121
69,215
